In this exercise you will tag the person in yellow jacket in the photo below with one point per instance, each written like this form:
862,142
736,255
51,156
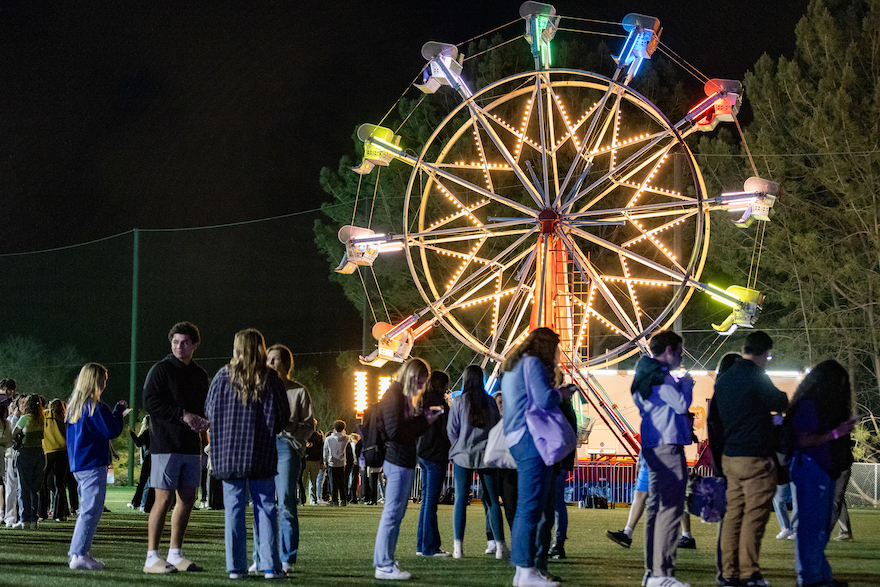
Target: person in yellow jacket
55,447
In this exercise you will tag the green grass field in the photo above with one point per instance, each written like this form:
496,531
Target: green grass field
336,548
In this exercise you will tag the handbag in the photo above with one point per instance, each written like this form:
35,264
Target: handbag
706,497
497,454
553,435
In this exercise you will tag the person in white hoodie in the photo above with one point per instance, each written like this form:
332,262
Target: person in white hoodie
334,458
663,400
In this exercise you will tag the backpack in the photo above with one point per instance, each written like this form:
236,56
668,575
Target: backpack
373,437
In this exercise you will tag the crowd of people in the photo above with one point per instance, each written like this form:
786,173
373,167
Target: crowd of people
253,428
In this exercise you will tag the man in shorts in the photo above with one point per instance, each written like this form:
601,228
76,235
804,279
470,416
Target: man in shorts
174,395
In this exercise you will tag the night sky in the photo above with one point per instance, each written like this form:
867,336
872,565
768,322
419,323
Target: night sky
166,115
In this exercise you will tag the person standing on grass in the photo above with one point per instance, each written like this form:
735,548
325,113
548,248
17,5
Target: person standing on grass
663,400
55,446
742,408
818,424
174,396
402,423
291,446
335,460
90,427
433,453
531,377
471,417
31,459
247,406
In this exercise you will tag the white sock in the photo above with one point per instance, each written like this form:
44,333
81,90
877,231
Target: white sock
686,535
628,531
174,556
152,557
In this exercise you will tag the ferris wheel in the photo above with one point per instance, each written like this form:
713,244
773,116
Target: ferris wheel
555,197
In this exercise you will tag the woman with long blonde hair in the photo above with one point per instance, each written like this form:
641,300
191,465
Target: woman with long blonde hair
403,423
90,427
247,406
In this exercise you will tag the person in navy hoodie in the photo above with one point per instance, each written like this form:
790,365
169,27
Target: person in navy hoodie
90,427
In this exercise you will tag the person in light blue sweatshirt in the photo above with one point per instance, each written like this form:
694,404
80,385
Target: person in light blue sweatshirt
663,399
531,378
90,427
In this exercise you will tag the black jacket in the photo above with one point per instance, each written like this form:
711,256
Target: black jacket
170,388
401,433
744,398
434,445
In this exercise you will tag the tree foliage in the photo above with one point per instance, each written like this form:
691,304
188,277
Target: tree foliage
38,369
816,130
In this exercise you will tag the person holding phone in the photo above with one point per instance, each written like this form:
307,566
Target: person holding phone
433,452
818,424
90,428
471,417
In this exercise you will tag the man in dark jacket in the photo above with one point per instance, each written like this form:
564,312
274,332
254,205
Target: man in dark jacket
744,399
174,395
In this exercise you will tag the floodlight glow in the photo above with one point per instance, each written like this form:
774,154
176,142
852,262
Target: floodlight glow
360,391
384,383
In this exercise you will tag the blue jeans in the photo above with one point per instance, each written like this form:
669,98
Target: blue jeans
489,480
815,494
289,465
92,487
784,493
235,498
428,537
397,490
533,488
561,507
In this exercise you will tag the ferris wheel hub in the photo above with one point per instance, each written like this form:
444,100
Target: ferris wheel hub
548,218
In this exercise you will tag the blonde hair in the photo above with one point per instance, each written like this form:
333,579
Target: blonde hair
247,369
85,392
408,375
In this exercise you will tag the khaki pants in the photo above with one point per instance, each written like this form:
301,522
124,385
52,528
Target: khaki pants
751,484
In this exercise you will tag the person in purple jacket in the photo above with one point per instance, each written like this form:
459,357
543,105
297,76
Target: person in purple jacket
90,427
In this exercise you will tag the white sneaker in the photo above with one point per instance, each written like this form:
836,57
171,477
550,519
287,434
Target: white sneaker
785,533
665,582
392,573
501,550
529,577
287,567
457,550
85,563
792,536
490,547
252,568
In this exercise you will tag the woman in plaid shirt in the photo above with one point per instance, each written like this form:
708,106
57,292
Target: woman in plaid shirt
247,406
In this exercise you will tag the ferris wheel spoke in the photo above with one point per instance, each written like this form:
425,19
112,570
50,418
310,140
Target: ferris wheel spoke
545,126
518,298
637,310
591,274
484,120
648,234
676,275
592,114
435,171
480,273
624,170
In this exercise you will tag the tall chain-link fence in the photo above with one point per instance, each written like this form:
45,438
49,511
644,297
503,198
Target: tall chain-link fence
862,489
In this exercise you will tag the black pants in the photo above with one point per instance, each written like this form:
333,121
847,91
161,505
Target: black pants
56,495
338,489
